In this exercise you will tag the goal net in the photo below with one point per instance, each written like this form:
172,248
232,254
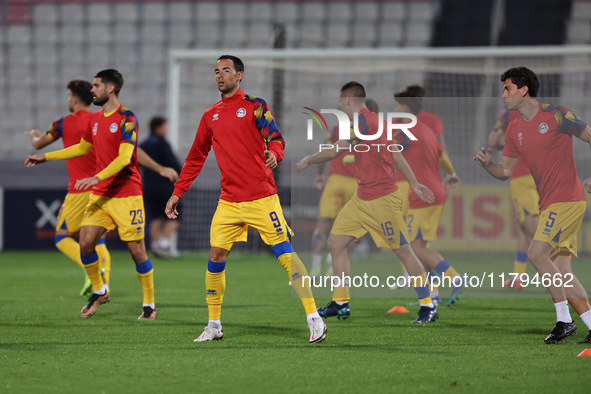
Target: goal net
462,87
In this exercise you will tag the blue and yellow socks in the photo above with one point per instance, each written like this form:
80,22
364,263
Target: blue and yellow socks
422,288
520,263
93,270
68,246
104,259
145,274
215,283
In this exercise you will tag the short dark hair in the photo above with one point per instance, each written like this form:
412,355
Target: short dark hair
81,90
412,97
354,89
523,76
238,65
156,122
372,105
111,77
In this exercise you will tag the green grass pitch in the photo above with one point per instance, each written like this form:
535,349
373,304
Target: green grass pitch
479,345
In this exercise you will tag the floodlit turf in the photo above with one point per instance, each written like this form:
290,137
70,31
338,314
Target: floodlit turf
479,345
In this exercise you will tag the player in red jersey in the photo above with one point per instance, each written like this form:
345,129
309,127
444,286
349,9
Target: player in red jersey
376,206
116,199
424,156
247,145
542,136
525,199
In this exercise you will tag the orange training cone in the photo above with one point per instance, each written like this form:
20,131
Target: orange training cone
401,309
585,353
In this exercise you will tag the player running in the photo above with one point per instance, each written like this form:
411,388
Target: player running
542,136
525,199
375,207
116,199
422,220
247,144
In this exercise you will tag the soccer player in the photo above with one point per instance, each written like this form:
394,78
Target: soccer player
116,198
375,207
424,156
525,199
542,136
247,145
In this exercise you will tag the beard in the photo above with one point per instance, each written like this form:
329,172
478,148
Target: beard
102,100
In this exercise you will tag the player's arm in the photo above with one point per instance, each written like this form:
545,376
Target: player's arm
421,191
265,123
320,180
494,140
145,160
451,180
38,140
441,140
78,150
324,155
586,136
501,170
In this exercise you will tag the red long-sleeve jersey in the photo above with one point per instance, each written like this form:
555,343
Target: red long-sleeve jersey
240,128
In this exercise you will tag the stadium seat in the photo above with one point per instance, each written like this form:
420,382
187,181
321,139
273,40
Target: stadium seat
99,13
207,34
338,34
45,35
421,11
152,54
126,12
581,11
393,12
99,56
21,98
314,12
260,12
235,11
260,35
18,122
19,55
390,34
234,34
45,14
72,34
366,12
418,34
153,33
311,35
291,35
154,12
18,35
125,33
44,97
286,12
72,14
46,115
19,76
72,53
364,34
45,55
125,54
579,32
46,75
208,12
99,34
339,12
181,12
181,35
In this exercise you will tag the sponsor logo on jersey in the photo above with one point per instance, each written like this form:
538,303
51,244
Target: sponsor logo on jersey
543,128
94,129
241,113
113,128
520,138
215,117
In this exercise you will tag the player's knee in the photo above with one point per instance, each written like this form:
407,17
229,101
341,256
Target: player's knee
282,248
218,255
534,255
335,245
86,248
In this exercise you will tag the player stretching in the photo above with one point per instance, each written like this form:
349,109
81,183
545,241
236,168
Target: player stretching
543,138
116,199
525,199
422,220
375,207
247,145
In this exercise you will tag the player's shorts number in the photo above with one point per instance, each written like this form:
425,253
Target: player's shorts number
275,219
387,229
410,219
137,215
552,217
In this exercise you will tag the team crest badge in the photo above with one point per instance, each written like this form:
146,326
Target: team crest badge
113,127
543,128
241,113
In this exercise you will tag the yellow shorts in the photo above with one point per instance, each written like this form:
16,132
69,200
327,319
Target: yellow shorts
422,223
126,213
404,187
338,191
524,194
231,220
72,211
559,224
381,217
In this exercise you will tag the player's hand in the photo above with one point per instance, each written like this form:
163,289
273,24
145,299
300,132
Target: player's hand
170,209
302,164
451,182
33,134
587,185
271,159
319,182
170,173
424,193
483,157
83,184
32,161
